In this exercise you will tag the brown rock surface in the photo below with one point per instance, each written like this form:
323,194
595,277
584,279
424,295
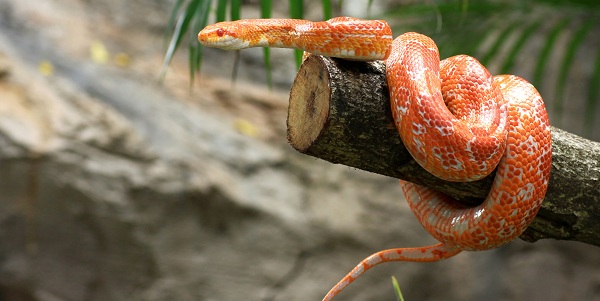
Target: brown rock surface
113,187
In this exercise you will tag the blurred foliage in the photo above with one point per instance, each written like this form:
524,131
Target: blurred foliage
541,40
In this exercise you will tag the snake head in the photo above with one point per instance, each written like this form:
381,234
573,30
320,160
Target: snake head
223,35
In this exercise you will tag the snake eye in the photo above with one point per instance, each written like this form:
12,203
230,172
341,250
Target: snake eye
220,32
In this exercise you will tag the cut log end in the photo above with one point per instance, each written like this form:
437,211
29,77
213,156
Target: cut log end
339,111
309,110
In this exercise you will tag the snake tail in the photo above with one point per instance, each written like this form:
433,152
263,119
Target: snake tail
421,254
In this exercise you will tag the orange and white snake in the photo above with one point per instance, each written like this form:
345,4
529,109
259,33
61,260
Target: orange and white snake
456,120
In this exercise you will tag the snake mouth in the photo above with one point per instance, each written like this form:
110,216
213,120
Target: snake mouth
225,42
217,37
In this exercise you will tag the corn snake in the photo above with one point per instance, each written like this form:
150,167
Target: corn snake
456,120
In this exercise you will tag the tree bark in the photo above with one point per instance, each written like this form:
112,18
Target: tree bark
339,111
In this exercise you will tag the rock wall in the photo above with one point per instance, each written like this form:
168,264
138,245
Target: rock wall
113,187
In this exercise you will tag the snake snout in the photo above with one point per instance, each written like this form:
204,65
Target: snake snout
218,36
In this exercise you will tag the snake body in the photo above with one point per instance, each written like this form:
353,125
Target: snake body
456,120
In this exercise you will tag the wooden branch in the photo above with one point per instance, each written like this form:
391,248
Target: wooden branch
339,111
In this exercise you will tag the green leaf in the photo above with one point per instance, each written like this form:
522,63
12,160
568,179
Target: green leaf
200,21
265,8
326,9
221,10
171,22
181,29
397,289
235,12
297,12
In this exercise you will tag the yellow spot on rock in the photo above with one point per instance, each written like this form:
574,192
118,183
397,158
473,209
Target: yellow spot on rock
122,59
246,127
98,53
46,68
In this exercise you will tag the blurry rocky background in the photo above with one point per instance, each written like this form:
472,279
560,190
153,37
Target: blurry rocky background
114,187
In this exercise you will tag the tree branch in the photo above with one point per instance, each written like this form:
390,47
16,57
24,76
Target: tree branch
339,111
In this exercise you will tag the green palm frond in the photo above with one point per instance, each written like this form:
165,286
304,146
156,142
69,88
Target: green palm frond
544,41
541,40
